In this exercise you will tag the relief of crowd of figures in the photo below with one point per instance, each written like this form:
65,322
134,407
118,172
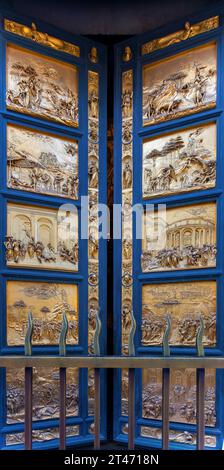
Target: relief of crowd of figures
185,303
45,394
43,238
93,193
47,302
182,406
180,162
180,85
188,238
41,163
41,86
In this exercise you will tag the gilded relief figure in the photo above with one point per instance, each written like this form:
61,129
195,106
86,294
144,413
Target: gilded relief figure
41,238
31,32
180,162
47,302
41,163
41,86
185,303
187,32
93,193
45,394
188,241
180,85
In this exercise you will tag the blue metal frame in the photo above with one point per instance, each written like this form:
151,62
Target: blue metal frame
141,132
80,278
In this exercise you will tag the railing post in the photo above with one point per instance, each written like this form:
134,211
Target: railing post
131,386
97,409
166,387
28,386
200,390
62,378
131,408
96,351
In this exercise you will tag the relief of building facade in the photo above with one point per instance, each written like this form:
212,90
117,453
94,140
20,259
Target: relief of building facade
180,85
187,239
41,237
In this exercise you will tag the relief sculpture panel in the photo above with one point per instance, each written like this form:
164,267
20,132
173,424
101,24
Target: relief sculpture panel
179,162
182,407
47,302
41,86
45,394
185,303
41,163
41,238
179,238
179,436
180,85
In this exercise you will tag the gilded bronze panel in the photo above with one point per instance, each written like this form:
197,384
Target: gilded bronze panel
32,33
179,161
182,406
41,435
41,86
180,85
43,238
93,193
45,394
42,163
180,238
47,302
127,195
188,31
183,437
185,303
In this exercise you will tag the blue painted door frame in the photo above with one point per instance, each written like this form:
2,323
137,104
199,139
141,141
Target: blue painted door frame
215,194
80,278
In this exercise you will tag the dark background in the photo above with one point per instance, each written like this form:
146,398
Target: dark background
109,16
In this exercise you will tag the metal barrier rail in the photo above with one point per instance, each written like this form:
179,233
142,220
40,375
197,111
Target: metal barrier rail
130,363
97,362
